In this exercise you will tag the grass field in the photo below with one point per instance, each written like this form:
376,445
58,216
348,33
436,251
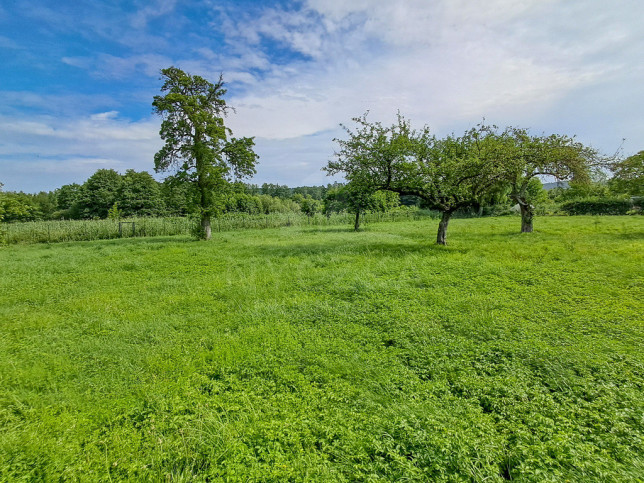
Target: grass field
319,354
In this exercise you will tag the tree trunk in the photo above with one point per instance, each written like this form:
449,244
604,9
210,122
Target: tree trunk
206,231
356,225
441,239
527,214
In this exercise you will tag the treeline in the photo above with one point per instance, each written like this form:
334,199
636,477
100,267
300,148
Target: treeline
137,194
108,194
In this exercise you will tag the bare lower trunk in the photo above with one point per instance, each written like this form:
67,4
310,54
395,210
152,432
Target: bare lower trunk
527,214
441,239
356,224
206,231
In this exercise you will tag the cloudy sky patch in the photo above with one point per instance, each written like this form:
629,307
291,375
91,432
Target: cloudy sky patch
80,78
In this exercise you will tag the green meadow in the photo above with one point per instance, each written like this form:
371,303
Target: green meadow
313,353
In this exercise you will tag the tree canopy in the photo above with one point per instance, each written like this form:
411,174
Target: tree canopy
628,175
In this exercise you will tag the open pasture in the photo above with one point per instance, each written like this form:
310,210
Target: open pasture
320,354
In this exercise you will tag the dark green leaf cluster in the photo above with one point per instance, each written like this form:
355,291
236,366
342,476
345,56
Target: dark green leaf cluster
602,206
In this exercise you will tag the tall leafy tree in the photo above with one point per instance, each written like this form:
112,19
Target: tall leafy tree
198,145
140,195
98,194
66,201
19,207
177,196
2,210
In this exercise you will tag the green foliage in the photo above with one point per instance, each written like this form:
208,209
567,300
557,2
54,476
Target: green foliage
577,191
523,157
179,199
98,194
140,195
86,230
66,197
628,175
3,234
447,174
318,355
308,205
115,213
276,190
46,203
19,207
598,206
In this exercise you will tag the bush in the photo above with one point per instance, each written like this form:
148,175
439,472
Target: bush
598,206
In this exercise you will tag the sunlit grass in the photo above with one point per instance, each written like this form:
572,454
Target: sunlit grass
315,353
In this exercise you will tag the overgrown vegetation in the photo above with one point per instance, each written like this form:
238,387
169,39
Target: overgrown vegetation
87,230
315,353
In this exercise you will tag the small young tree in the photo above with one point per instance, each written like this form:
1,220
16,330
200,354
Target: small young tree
197,143
114,212
358,201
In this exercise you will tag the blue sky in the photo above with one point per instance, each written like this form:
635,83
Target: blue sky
78,78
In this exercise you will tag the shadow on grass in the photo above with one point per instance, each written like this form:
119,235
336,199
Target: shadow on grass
636,235
133,241
339,247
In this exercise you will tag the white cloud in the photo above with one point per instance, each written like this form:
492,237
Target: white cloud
73,147
7,43
158,8
104,116
446,63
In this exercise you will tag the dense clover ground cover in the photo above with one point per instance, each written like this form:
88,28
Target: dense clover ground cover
316,353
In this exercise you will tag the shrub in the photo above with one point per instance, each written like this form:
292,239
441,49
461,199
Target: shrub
598,206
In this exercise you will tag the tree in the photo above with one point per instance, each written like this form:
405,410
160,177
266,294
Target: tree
139,195
447,174
197,143
177,196
353,199
1,203
66,201
524,156
452,173
98,194
628,175
19,207
308,205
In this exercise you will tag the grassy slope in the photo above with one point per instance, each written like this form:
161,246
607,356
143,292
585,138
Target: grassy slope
324,354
